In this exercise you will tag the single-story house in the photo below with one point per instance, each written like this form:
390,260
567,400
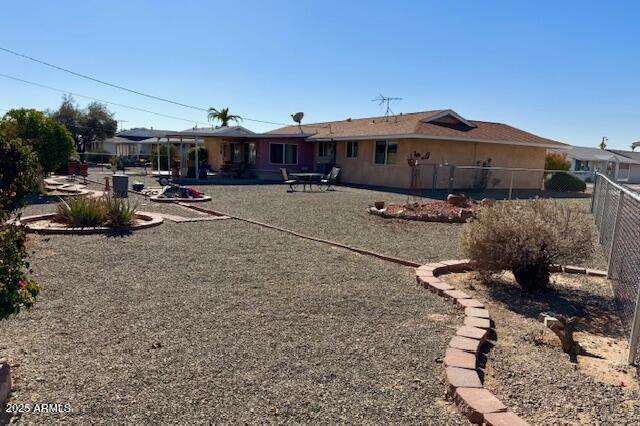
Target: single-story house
618,166
375,151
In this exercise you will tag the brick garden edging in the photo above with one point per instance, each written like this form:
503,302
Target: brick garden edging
148,220
474,401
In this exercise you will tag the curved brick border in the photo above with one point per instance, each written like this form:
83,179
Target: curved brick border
158,199
478,404
150,220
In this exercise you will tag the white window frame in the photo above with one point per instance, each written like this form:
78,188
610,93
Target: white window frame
386,152
346,150
284,154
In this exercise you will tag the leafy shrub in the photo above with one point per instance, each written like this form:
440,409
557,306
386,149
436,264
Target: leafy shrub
118,211
18,174
203,155
104,211
526,237
17,289
82,211
163,156
556,161
564,182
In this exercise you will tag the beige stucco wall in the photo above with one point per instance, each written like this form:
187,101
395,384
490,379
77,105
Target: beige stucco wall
214,152
362,169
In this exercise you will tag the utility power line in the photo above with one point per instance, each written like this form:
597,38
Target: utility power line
33,83
116,86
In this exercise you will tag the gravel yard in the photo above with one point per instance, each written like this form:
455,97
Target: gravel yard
227,322
341,216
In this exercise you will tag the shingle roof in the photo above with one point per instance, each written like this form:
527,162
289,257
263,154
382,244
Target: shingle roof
429,124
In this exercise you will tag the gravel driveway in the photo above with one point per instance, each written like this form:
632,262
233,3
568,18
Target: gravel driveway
228,322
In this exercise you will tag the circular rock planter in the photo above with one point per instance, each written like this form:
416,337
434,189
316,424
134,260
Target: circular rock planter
435,211
46,224
161,199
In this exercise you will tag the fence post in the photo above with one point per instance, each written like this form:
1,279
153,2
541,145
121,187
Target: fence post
616,231
511,185
452,171
593,191
604,207
635,332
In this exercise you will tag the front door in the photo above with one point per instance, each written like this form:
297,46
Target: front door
325,156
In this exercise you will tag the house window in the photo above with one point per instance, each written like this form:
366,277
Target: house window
324,149
251,153
283,153
352,149
386,152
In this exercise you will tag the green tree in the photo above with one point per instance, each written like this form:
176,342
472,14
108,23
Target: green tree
88,125
603,143
223,116
50,140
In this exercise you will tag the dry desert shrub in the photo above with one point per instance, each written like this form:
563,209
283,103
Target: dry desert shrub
526,237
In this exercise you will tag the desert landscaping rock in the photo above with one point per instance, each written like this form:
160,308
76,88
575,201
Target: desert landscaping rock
476,403
459,358
465,344
473,333
476,312
477,322
461,378
439,287
469,303
456,294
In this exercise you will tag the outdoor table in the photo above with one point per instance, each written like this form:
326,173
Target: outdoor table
307,179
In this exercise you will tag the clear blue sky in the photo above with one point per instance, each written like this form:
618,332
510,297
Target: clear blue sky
565,70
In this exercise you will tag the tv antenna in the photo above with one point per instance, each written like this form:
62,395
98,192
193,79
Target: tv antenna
382,100
297,117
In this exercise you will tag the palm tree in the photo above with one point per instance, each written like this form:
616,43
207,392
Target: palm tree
224,116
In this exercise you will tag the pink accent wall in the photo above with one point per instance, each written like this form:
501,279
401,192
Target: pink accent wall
305,154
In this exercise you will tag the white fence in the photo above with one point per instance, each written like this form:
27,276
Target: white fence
616,210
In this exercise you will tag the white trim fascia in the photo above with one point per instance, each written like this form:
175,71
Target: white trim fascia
443,138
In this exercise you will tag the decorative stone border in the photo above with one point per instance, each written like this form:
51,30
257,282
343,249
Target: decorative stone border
159,199
478,404
150,220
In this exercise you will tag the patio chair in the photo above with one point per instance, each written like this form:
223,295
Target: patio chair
287,181
331,178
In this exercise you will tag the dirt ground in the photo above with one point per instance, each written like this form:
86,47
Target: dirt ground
525,365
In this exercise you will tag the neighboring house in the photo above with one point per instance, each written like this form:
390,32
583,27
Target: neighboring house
613,163
132,142
632,173
375,151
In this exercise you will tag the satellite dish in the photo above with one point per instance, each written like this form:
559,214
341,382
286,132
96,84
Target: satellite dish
297,117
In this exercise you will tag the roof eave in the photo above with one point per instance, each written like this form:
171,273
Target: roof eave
558,145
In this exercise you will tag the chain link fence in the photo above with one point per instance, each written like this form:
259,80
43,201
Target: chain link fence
505,182
616,210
